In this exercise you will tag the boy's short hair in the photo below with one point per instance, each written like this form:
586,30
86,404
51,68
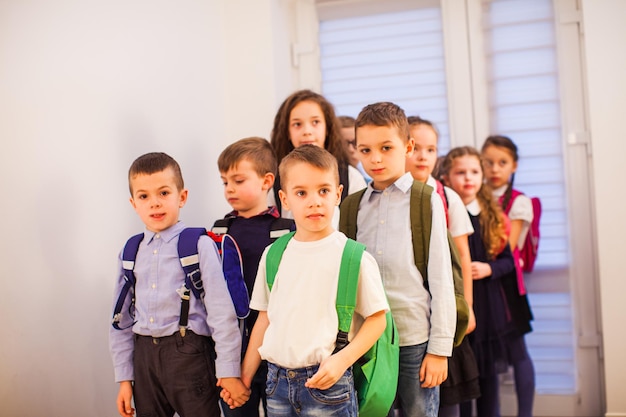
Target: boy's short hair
346,121
256,150
154,162
415,121
312,155
384,114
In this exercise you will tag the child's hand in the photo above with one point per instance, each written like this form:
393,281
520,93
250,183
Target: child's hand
236,393
329,372
434,370
225,395
480,270
471,325
124,397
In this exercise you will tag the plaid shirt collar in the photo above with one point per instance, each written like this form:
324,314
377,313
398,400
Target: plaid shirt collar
272,211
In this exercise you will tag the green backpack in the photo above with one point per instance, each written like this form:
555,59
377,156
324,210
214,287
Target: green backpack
421,222
376,372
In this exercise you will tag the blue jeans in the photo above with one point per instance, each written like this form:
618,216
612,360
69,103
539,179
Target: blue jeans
414,400
287,395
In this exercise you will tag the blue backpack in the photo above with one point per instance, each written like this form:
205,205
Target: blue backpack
188,254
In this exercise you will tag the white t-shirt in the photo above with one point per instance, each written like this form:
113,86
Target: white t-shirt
459,221
521,209
356,182
301,309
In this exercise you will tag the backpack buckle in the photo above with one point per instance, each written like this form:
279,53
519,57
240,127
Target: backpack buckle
194,277
341,342
183,291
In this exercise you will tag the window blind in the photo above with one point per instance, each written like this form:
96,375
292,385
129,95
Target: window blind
395,56
524,105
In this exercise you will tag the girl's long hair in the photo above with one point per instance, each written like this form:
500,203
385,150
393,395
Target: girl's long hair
506,143
491,218
280,139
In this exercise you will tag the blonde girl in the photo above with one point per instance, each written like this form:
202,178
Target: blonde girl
492,265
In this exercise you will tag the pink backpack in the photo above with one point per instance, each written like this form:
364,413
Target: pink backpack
444,198
528,254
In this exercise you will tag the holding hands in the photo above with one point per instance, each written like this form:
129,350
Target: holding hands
234,392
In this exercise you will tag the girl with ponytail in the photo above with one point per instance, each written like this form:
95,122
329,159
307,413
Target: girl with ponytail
492,264
500,157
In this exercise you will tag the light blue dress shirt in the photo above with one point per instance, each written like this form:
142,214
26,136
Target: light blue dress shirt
157,304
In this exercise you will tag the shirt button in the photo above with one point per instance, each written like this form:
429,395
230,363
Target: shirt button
151,319
382,222
158,236
153,286
380,252
154,251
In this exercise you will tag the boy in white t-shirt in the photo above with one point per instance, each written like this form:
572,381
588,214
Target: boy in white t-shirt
297,325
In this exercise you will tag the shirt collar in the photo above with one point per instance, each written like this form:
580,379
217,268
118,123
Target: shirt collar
498,192
473,208
403,184
272,211
167,234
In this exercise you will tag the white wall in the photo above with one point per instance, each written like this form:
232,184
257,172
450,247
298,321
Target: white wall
85,87
604,32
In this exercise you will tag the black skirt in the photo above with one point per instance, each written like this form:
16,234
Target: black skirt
462,382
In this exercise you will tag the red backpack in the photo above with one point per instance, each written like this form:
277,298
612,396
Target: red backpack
528,253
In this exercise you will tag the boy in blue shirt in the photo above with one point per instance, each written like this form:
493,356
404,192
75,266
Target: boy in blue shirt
166,368
425,318
248,168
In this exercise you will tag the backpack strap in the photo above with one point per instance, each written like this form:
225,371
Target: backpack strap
129,254
421,221
221,226
444,198
232,266
514,194
421,224
344,179
273,257
347,289
188,254
281,226
348,213
275,188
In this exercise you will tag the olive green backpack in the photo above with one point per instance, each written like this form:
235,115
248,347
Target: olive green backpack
421,222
